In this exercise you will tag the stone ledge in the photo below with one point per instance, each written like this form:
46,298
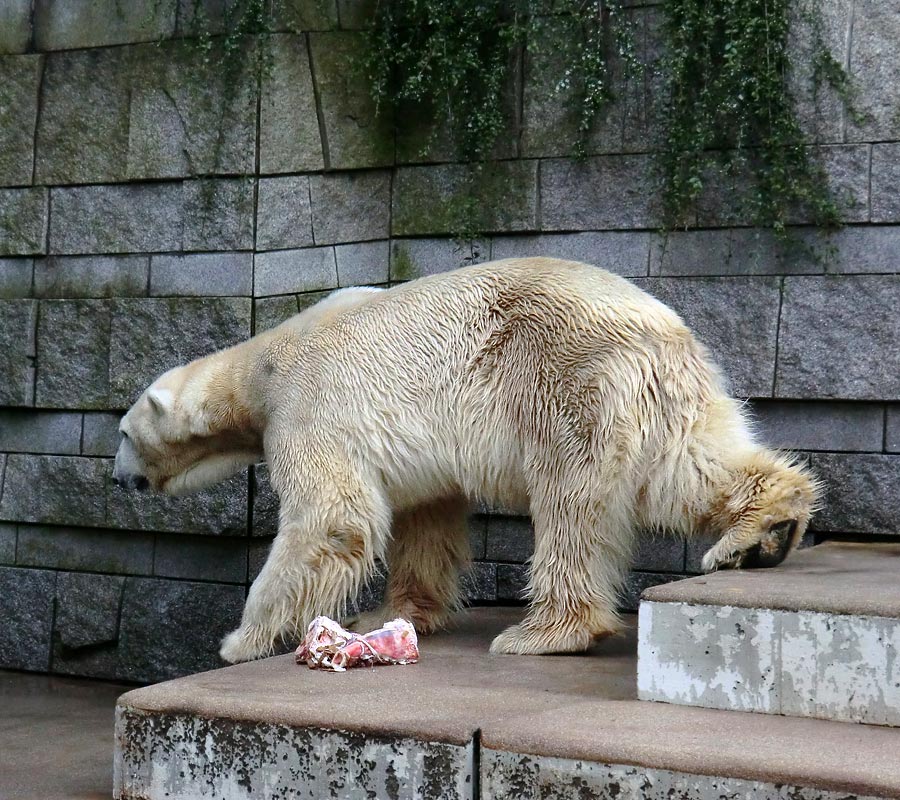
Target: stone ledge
818,637
798,585
551,711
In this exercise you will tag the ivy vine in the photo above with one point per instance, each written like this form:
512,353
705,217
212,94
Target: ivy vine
727,111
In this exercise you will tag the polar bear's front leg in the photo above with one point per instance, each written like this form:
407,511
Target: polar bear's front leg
319,558
579,564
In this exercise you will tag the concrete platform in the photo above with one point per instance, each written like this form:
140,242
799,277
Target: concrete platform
817,637
465,724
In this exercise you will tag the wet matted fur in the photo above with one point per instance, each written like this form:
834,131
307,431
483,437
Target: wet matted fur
537,384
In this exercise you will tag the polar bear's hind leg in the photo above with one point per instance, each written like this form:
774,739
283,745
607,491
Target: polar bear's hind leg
429,544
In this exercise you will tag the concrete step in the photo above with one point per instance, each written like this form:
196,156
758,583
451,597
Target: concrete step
465,724
818,636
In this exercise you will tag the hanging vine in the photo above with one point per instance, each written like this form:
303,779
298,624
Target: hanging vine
727,109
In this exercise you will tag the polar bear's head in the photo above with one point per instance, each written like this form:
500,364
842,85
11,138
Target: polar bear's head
193,426
764,511
179,437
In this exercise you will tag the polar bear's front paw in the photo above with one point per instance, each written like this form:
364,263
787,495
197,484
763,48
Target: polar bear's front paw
244,644
528,640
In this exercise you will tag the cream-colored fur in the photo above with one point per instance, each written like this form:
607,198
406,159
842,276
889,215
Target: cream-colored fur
538,384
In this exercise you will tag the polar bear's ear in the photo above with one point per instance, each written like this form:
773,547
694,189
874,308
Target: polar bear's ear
161,400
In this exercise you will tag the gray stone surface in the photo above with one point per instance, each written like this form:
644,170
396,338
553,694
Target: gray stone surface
15,26
512,579
265,503
354,137
289,138
629,123
198,558
26,606
717,311
860,493
202,275
218,510
806,663
96,23
875,70
191,112
509,539
171,628
819,109
147,337
218,214
838,338
301,15
351,206
271,311
15,277
100,435
528,777
65,490
257,553
17,324
847,168
659,552
289,271
365,263
40,432
91,276
604,192
283,217
85,549
82,133
130,218
820,425
415,258
478,583
86,629
23,221
885,179
635,585
446,198
20,77
305,764
892,429
7,543
477,536
732,251
625,253
868,249
87,609
73,354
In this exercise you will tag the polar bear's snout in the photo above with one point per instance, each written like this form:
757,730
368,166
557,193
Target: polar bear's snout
128,470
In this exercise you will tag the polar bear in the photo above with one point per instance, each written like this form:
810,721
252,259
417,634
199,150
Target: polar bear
537,384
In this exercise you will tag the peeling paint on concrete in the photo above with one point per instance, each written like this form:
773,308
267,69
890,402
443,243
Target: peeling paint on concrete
526,777
182,757
799,663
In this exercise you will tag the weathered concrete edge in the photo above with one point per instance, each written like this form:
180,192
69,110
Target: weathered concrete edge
720,588
507,774
180,756
787,668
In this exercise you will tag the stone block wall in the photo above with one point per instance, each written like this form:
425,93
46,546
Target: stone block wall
153,210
